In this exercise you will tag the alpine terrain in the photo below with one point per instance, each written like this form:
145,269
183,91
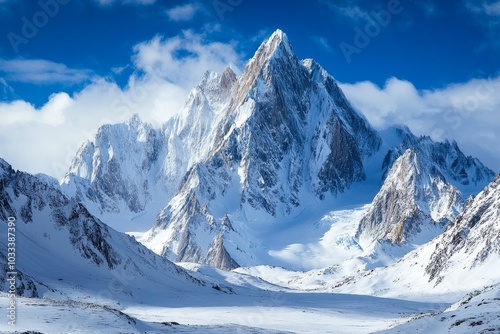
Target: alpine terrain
268,204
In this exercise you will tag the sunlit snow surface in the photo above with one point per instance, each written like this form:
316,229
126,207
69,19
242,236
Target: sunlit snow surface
253,312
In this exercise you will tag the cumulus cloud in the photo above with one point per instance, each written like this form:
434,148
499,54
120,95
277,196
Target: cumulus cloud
159,57
21,112
41,71
183,12
165,69
466,112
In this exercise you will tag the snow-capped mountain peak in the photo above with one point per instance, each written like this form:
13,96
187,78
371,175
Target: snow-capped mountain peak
464,172
414,198
289,134
277,42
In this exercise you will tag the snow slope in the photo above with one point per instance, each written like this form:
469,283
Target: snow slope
130,171
62,250
272,312
478,312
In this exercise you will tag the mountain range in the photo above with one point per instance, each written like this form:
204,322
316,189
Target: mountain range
252,152
271,178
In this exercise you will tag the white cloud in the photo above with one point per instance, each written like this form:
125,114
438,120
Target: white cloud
40,71
21,112
46,139
183,12
159,57
119,69
467,112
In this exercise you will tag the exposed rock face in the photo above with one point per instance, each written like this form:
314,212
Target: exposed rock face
217,253
414,194
118,169
473,237
288,131
449,160
58,237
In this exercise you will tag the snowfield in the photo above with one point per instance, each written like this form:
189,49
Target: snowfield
263,312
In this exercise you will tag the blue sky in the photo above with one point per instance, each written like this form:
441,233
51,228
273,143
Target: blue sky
67,64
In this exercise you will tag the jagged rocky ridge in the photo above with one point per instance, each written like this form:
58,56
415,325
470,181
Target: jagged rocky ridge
463,258
130,169
474,237
118,169
464,172
414,196
59,240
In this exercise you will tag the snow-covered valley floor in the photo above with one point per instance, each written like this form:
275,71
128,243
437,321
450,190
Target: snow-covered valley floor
269,312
